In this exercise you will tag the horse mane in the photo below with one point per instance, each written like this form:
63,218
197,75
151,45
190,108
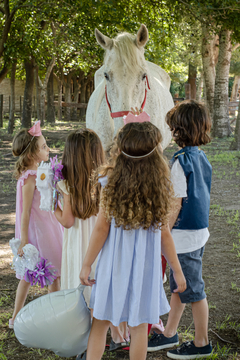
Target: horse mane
127,53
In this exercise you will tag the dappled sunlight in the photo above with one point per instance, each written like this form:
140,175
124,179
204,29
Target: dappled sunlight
6,256
9,218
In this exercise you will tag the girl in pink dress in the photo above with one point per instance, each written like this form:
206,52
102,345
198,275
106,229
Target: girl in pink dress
33,226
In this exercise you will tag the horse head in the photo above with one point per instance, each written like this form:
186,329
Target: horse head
125,71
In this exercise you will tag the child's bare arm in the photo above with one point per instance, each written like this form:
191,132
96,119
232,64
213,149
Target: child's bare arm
169,251
175,212
65,216
97,240
27,196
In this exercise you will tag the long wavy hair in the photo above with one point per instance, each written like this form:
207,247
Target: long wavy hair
139,191
83,153
25,146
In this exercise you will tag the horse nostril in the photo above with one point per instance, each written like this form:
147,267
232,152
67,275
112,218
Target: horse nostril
106,76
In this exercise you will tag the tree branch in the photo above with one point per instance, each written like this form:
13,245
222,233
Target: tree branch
186,4
57,78
49,69
3,73
235,46
6,7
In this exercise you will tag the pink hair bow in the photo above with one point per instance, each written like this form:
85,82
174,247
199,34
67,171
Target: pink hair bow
130,118
35,129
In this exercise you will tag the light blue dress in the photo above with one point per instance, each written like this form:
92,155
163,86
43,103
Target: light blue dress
128,275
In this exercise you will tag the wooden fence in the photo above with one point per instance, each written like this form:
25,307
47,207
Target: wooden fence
19,106
232,105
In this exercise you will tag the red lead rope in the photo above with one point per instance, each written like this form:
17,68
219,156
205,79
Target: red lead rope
122,113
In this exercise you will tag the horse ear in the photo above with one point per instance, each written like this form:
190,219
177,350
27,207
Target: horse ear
142,36
104,41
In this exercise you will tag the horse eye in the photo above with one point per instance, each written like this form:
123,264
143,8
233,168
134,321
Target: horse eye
106,76
144,76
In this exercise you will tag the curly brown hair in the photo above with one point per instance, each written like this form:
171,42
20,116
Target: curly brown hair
139,191
190,123
83,153
25,146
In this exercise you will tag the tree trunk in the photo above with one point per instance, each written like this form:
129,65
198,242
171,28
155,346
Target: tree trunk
192,74
235,145
42,86
42,104
209,59
235,88
187,88
83,98
199,87
12,103
67,97
88,91
221,126
50,100
38,105
92,87
76,88
59,97
27,101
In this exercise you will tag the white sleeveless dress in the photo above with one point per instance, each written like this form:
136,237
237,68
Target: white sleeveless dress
74,248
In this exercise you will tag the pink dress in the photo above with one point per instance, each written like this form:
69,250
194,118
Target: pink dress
44,231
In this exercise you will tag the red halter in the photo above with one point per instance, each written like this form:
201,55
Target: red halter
122,113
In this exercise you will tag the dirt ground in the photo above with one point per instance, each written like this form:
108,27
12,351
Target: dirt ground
221,262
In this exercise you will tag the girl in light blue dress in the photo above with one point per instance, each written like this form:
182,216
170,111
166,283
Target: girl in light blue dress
130,233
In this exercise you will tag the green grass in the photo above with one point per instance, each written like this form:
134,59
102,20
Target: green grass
5,300
223,353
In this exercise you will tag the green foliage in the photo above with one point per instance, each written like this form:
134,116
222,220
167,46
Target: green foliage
66,30
215,14
41,30
177,86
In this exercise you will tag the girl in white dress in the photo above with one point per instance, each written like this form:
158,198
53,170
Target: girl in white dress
130,233
83,153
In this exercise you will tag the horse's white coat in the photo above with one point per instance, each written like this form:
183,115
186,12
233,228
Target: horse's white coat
125,66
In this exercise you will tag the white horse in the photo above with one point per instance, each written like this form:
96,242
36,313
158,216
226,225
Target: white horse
127,80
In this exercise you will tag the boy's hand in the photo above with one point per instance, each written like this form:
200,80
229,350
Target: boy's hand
180,281
84,276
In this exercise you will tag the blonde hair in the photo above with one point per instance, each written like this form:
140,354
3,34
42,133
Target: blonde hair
83,153
139,191
24,146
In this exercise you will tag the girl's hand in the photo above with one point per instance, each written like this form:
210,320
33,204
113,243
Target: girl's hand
65,216
180,281
84,276
136,111
20,250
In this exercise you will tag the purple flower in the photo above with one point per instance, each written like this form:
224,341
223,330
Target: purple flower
44,274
